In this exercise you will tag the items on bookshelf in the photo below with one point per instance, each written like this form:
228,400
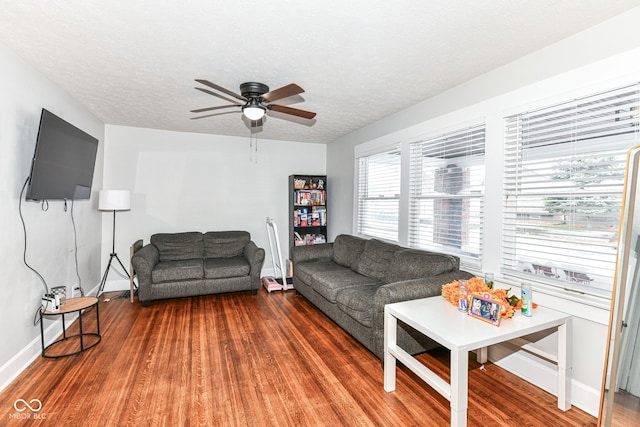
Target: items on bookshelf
309,182
310,217
307,209
309,239
310,197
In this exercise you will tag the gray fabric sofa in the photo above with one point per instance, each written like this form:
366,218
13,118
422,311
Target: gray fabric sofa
352,279
187,264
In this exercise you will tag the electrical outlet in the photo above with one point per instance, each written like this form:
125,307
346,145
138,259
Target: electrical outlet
76,292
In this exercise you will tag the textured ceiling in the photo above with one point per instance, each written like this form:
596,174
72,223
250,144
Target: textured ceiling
133,62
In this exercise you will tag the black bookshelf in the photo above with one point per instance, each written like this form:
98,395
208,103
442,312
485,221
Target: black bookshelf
307,210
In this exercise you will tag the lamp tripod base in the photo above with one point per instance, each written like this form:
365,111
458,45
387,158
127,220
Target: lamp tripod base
106,272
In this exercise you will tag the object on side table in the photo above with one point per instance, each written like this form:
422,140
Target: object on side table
525,298
485,308
60,291
509,304
463,297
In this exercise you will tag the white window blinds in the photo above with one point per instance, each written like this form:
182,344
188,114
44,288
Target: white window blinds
379,194
447,193
564,173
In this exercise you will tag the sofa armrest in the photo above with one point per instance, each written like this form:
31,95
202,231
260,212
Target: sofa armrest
143,262
406,290
255,257
311,252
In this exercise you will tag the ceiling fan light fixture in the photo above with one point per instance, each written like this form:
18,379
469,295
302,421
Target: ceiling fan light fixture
253,110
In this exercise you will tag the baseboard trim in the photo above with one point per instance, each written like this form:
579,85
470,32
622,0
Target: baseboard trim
115,285
544,375
21,361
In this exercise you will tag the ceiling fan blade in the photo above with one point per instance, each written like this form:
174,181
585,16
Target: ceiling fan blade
202,110
283,92
233,101
221,89
293,111
214,114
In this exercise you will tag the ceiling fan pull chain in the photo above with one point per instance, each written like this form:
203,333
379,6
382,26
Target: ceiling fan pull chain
253,148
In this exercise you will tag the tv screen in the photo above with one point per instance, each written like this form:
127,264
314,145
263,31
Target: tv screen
63,161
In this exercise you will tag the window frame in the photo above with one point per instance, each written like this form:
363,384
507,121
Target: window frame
566,130
363,222
465,146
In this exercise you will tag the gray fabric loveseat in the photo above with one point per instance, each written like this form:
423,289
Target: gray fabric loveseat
352,279
187,264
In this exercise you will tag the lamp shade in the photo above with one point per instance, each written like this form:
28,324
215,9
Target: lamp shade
253,113
253,110
114,200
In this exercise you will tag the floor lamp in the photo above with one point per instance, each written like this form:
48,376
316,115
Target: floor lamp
113,200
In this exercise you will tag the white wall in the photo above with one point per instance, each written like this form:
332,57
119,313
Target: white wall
197,182
605,56
50,241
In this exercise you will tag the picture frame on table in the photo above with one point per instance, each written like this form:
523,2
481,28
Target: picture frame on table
485,308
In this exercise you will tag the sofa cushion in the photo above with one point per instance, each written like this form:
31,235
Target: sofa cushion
170,271
307,270
224,244
357,302
327,278
347,250
178,246
410,264
376,259
219,268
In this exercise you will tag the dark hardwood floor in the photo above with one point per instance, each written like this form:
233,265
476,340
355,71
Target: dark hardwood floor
244,360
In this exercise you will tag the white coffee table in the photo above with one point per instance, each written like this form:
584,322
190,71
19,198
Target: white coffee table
441,321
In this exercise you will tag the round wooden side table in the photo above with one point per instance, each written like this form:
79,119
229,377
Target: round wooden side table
86,340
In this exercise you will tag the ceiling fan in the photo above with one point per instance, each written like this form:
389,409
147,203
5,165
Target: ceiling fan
254,100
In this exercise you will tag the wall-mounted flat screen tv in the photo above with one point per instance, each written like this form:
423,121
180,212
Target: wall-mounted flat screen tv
63,162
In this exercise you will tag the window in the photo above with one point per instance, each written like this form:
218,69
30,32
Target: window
447,193
564,173
379,194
